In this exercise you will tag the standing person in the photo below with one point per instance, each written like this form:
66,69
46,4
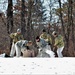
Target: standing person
46,37
59,43
15,37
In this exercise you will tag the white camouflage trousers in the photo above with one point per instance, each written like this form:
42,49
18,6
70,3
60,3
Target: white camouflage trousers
46,52
14,49
59,51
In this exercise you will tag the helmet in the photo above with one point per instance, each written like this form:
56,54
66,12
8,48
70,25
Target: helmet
29,41
37,37
19,30
54,32
43,30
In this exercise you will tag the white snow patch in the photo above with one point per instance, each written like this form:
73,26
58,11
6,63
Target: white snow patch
33,66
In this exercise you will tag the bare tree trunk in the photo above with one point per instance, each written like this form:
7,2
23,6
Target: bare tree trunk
30,3
10,19
23,24
63,28
33,34
69,25
10,16
3,19
66,36
73,40
70,21
50,11
68,29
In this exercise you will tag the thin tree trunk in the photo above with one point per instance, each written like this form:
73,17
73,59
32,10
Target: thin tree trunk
23,24
33,34
73,40
3,20
63,28
29,20
10,16
50,12
10,19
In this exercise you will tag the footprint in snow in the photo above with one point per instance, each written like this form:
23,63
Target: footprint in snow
38,65
24,70
50,68
24,65
56,73
32,62
13,71
2,72
33,68
54,67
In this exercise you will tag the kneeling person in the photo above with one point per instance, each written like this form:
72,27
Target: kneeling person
21,46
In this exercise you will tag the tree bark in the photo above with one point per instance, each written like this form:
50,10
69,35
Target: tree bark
23,24
29,20
73,36
10,16
10,19
63,28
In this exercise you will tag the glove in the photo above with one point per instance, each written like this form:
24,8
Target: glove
40,49
37,47
49,43
39,44
27,47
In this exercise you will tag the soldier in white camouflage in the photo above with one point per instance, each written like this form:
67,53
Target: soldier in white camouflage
22,46
46,37
15,37
59,43
44,48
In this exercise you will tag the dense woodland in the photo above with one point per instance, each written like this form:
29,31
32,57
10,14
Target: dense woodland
31,16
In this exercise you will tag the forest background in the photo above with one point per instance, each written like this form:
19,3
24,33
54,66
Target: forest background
34,15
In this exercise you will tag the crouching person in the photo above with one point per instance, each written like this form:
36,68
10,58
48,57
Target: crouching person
44,48
24,47
46,37
41,45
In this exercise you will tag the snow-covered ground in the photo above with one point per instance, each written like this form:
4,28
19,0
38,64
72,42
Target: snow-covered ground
33,66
